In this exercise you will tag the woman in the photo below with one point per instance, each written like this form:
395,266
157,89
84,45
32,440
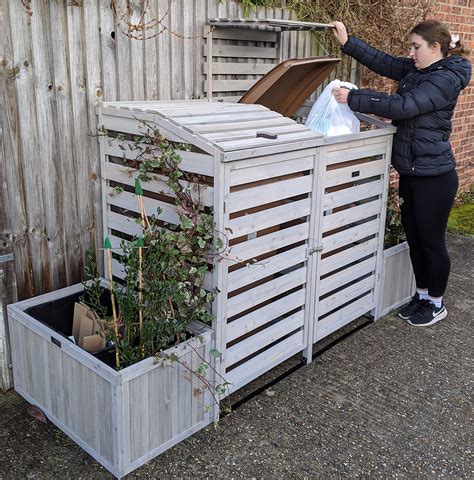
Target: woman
430,82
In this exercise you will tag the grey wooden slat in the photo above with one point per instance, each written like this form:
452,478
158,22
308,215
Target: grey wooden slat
397,279
124,412
18,353
164,57
13,208
79,130
55,374
43,354
65,148
157,405
71,396
176,62
124,72
108,45
28,148
185,392
199,18
137,65
189,29
7,274
231,85
90,204
47,148
167,400
102,393
83,381
239,68
151,60
246,35
241,51
195,386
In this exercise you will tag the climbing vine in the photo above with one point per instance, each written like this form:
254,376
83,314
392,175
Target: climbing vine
164,266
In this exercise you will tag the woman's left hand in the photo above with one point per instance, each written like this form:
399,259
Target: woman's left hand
340,94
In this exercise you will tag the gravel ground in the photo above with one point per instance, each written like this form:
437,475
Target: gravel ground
389,401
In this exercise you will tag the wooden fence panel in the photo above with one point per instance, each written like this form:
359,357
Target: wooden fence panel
58,65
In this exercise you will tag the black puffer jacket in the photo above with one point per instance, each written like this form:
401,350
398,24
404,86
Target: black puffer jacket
421,109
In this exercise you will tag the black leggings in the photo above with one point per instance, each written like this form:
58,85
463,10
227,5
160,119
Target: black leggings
425,209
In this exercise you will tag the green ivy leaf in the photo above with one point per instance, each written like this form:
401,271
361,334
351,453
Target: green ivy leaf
215,353
186,223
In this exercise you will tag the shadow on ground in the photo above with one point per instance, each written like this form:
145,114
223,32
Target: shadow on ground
389,401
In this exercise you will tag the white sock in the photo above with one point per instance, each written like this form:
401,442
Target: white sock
438,301
422,293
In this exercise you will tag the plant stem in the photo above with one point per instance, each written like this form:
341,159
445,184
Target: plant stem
140,311
114,310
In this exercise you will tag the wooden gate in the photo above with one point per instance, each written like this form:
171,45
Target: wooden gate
348,236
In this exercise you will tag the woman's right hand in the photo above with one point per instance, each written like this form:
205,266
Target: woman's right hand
340,32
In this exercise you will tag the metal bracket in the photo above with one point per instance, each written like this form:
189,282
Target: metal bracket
313,250
6,258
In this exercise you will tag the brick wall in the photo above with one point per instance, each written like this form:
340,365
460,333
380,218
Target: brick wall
459,16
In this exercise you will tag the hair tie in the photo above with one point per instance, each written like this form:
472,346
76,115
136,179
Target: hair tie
454,40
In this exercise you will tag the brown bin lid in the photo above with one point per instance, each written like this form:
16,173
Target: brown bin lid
284,88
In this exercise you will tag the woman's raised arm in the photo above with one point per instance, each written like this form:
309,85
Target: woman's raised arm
379,62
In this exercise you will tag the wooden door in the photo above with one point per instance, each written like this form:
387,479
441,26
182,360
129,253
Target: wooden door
350,203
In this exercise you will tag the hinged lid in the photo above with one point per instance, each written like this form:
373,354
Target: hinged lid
233,129
284,88
270,24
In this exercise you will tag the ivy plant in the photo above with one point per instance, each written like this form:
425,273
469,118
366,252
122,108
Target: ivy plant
165,266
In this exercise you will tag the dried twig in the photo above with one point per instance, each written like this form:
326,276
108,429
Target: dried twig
384,24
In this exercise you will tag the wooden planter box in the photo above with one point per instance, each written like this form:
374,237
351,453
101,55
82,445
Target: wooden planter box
121,418
397,281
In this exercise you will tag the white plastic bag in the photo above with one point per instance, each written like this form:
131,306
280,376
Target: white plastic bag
331,118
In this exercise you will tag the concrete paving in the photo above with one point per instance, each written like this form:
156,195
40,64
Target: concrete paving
389,401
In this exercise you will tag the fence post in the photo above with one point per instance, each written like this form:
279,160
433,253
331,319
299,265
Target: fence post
6,379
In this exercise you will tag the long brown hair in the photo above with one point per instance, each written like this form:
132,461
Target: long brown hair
435,31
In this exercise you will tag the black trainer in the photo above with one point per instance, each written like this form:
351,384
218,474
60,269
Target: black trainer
428,314
410,308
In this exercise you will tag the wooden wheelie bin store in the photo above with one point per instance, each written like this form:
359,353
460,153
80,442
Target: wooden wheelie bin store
302,215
